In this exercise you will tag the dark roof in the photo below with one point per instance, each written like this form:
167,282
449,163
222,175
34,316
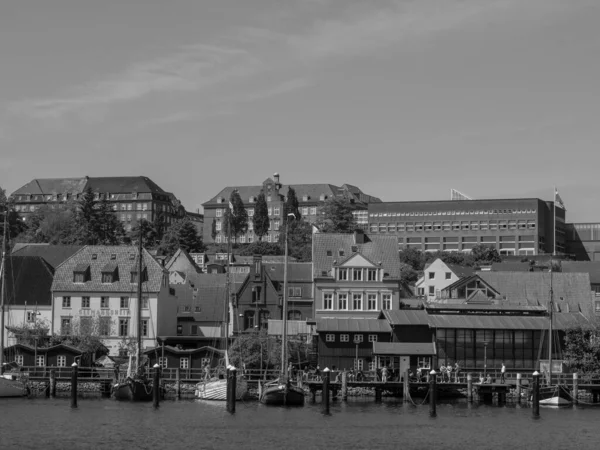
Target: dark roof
52,254
460,271
483,307
297,272
493,322
28,281
403,348
353,325
123,185
63,278
511,267
53,186
181,351
590,267
110,267
44,349
405,316
375,248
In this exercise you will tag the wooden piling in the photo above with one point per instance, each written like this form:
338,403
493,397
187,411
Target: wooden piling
178,383
535,408
231,388
74,373
406,386
432,394
299,379
469,387
377,394
156,386
518,388
53,383
344,385
326,380
575,392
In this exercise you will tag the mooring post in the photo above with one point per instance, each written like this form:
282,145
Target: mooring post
231,388
156,386
299,379
432,394
74,370
406,387
53,383
326,380
469,387
344,385
575,392
518,388
178,383
378,394
536,395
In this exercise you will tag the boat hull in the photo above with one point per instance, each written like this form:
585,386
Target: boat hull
11,387
555,396
282,395
217,389
133,390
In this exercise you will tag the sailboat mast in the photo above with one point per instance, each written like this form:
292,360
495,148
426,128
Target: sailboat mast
284,312
2,289
227,284
139,299
550,333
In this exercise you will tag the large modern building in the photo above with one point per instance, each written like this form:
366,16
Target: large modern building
522,226
583,241
310,198
132,198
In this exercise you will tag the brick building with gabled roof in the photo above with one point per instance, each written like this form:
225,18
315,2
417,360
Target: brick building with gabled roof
97,287
311,198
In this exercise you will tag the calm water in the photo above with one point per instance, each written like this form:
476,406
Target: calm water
102,423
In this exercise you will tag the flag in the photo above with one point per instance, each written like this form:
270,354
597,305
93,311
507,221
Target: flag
558,200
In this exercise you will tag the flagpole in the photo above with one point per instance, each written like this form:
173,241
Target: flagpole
554,238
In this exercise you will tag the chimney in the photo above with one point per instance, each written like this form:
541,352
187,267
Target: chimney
257,260
359,237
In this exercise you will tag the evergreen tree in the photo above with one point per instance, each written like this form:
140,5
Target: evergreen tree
149,234
291,204
299,240
260,220
107,229
485,254
181,234
238,218
336,216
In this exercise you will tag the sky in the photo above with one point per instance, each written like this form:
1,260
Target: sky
404,98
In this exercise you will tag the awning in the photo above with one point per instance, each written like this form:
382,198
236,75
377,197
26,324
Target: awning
404,348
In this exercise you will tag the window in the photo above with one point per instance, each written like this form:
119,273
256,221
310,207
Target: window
179,330
372,274
276,211
328,300
358,338
79,277
85,302
162,362
343,274
358,364
124,303
371,302
65,325
270,211
424,362
357,301
219,212
313,211
448,275
144,302
597,307
40,360
107,277
31,316
342,301
250,212
357,274
194,330
304,211
145,327
431,290
184,363
104,326
66,302
123,326
330,338
61,361
386,301
431,275
19,359
372,338
103,302
344,338
294,292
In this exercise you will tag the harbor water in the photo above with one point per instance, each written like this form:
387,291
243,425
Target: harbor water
358,424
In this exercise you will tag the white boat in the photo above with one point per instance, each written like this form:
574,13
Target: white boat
217,389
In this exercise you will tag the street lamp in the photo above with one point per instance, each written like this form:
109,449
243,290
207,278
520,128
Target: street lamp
485,344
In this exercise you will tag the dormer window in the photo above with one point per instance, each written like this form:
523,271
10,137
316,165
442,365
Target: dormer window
81,273
357,274
134,275
343,274
305,198
371,274
131,256
252,199
322,197
110,273
113,256
329,253
220,200
341,252
94,256
354,248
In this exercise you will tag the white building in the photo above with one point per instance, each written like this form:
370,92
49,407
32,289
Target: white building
437,276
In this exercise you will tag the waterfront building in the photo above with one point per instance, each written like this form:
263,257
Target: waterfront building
61,355
437,276
513,226
132,198
311,198
355,275
96,289
28,298
190,361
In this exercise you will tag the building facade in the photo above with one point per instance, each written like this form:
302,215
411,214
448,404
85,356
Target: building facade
311,198
512,226
437,276
96,291
583,241
355,275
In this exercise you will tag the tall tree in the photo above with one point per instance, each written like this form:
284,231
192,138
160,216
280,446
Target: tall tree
149,234
108,229
15,225
181,234
260,220
336,216
238,218
55,225
291,204
299,239
485,254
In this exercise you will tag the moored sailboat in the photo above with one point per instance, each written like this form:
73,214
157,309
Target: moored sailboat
281,392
